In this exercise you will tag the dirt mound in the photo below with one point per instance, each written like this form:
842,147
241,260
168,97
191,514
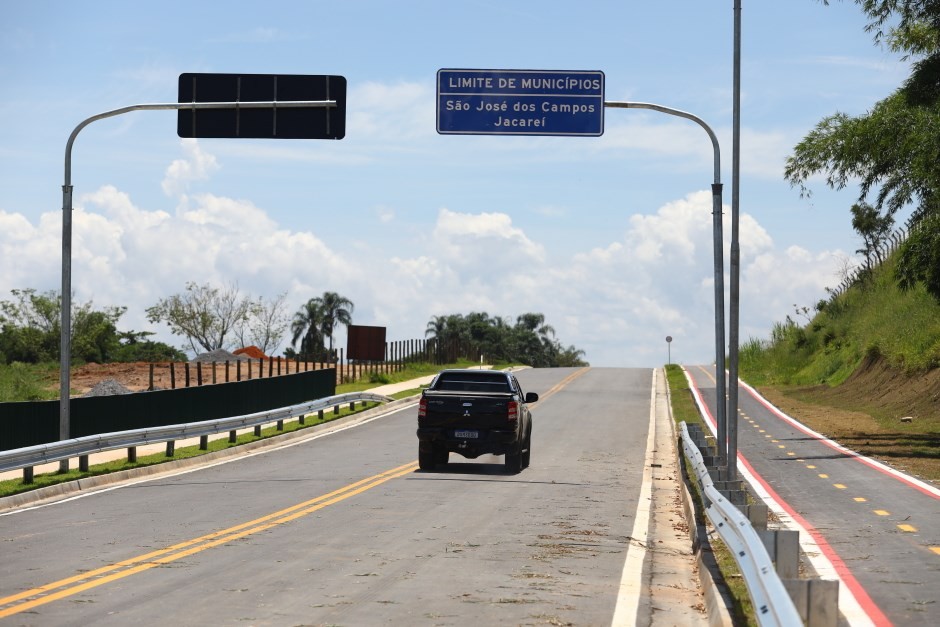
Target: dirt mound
219,355
879,389
251,351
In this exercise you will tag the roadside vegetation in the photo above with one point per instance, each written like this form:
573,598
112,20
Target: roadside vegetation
863,368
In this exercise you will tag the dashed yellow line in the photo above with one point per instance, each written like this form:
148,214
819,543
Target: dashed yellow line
839,485
860,499
823,476
935,549
882,512
907,528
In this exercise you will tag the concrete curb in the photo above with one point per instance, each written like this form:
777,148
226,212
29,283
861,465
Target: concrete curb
717,605
70,488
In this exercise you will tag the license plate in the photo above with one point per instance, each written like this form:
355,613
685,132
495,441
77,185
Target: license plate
467,435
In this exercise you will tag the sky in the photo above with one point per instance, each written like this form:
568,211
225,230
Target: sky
609,237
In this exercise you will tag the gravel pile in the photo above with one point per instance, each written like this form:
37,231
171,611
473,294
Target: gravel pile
220,355
108,387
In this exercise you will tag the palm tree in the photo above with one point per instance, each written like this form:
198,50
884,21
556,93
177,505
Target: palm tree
335,309
307,327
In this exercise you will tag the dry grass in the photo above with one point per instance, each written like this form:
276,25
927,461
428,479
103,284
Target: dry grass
864,414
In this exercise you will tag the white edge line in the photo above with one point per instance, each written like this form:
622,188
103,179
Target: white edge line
631,581
848,604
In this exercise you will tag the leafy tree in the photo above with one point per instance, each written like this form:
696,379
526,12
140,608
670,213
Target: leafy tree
336,310
205,315
95,336
530,340
306,327
136,347
874,229
29,328
893,148
919,259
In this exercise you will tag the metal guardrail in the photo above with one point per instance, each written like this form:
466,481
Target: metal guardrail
772,603
89,444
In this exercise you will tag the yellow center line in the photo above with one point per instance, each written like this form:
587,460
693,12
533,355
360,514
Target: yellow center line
558,386
99,576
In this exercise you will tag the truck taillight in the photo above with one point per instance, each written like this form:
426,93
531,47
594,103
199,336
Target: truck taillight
513,413
423,408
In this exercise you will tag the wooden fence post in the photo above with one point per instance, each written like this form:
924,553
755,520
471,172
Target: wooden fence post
150,387
186,368
172,376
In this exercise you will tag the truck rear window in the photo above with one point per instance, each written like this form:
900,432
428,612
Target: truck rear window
460,382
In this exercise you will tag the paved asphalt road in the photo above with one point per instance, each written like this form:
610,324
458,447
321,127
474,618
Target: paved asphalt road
344,530
875,528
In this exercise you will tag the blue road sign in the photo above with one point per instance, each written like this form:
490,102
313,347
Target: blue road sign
520,102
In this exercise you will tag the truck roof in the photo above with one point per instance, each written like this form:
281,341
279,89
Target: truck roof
466,380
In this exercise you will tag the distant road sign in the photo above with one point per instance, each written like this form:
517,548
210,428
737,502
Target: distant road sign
520,102
266,123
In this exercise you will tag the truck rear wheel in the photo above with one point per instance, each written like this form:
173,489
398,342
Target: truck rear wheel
527,455
426,458
513,462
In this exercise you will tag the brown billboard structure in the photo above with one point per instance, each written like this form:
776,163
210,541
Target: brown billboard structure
365,343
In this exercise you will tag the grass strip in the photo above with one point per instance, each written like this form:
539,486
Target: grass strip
685,410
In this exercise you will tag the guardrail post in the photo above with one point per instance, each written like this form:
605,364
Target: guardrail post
232,437
170,448
757,514
28,474
257,431
816,600
335,410
203,443
352,406
280,425
83,463
301,419
320,415
132,454
783,546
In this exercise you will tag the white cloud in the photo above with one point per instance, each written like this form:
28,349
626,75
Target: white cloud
196,166
649,278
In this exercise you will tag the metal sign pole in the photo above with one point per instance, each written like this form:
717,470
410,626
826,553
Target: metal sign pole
720,386
65,338
735,304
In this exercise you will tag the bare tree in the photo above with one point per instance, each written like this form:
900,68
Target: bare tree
203,314
265,324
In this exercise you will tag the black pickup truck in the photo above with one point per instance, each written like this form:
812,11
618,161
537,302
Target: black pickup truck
472,412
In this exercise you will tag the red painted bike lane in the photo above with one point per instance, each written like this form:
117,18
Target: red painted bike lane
860,521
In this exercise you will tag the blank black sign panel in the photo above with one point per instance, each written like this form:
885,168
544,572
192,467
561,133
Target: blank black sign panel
267,123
